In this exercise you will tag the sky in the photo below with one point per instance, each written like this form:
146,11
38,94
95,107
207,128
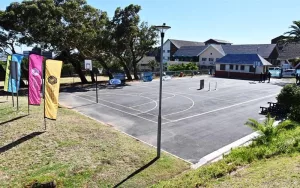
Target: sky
237,21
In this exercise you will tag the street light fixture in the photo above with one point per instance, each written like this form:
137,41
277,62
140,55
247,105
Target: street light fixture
162,29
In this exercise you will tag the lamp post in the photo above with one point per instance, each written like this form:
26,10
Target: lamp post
162,29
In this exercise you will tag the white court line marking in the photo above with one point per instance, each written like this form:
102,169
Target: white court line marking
145,112
140,112
193,104
116,109
152,102
219,109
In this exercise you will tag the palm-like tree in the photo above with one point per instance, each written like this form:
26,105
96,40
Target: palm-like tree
294,34
267,129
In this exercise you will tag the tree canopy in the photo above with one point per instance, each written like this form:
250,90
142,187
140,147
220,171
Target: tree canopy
75,31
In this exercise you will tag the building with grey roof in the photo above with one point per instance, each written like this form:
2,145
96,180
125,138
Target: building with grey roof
217,41
172,45
208,55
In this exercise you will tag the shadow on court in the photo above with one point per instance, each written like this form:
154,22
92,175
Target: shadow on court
14,119
19,141
137,171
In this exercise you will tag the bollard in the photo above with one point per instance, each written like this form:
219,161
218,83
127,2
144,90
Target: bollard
216,86
209,86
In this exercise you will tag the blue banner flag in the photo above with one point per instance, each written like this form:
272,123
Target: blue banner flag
15,73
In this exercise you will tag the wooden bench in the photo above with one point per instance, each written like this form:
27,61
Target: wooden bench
264,110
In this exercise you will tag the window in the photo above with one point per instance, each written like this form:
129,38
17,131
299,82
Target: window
242,67
168,58
231,67
204,59
164,51
210,53
236,67
211,59
222,67
168,51
251,69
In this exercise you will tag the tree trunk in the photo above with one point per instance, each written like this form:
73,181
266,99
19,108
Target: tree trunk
79,72
92,76
127,72
106,68
135,72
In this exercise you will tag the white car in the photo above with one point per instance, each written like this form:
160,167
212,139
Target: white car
288,73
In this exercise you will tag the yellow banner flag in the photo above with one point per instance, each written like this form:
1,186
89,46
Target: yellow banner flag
7,71
52,83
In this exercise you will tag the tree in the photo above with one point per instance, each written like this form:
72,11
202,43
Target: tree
267,129
64,26
131,40
152,64
294,34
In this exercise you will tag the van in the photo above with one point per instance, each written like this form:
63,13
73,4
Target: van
274,68
289,73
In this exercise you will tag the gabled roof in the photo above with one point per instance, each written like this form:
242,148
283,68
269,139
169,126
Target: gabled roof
180,43
219,41
264,50
189,51
146,59
289,51
243,59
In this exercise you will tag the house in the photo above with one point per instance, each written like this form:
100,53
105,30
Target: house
208,55
143,64
172,45
288,52
246,66
188,53
217,41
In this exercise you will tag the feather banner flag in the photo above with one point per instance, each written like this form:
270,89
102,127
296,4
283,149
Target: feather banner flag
35,73
7,73
15,73
52,84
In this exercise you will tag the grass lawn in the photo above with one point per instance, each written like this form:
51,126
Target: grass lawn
283,171
75,151
275,163
71,80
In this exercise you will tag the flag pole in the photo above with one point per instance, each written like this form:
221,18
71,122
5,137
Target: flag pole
28,84
11,88
17,66
96,89
44,96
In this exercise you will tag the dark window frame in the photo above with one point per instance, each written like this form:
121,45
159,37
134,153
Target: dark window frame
242,67
231,67
222,67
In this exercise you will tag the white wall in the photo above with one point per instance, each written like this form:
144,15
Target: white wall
246,70
166,48
210,52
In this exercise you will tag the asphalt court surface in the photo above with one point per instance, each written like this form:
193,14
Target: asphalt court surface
194,122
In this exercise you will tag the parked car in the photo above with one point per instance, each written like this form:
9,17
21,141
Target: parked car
274,68
288,73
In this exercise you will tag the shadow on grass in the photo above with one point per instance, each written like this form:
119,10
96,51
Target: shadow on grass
137,171
14,119
19,141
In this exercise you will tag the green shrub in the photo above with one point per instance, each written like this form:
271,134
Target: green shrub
289,97
182,67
